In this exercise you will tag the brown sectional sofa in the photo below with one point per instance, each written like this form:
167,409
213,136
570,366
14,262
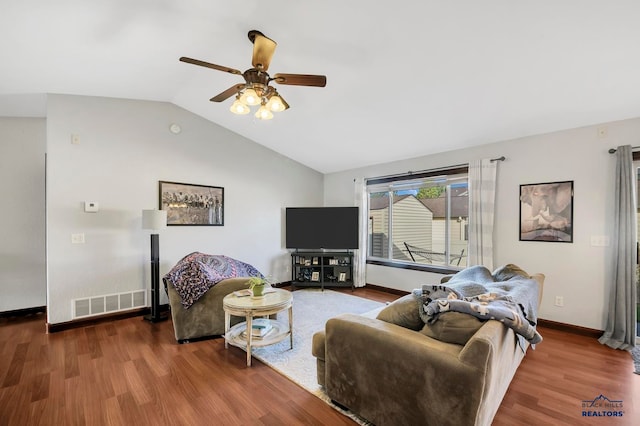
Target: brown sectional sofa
393,374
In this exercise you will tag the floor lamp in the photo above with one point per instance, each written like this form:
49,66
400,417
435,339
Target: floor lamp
155,220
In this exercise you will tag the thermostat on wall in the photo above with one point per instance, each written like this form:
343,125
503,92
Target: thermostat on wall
90,207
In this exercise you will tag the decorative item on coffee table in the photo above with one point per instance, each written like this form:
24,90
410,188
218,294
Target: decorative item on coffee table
257,286
260,327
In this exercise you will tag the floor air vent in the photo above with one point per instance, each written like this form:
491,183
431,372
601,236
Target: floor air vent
98,305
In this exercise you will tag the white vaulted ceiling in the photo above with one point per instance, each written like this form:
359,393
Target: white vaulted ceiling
404,79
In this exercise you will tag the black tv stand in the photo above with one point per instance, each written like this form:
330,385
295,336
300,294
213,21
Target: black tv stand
322,269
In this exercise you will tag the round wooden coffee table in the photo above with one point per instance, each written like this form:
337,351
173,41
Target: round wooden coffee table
246,306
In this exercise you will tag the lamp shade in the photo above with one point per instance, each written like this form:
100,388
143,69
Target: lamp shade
239,108
250,97
263,113
276,104
154,219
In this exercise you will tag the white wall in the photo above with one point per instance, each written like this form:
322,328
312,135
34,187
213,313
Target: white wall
125,149
22,216
579,272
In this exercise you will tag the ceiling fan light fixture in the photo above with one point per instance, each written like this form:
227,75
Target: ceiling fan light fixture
275,103
250,97
256,91
263,113
239,108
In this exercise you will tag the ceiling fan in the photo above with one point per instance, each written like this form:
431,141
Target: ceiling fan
256,89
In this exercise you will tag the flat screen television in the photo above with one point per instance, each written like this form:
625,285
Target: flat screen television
314,228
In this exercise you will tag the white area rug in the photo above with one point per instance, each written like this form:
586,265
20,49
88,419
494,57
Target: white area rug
311,310
635,353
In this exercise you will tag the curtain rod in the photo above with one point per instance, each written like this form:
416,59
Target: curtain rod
613,150
412,172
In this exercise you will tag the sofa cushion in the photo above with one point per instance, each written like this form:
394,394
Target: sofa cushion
453,327
404,312
508,271
476,274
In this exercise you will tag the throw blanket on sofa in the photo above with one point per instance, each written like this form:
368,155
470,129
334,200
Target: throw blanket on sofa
197,272
474,291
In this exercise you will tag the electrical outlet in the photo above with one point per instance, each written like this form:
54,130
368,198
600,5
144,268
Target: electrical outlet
559,301
77,238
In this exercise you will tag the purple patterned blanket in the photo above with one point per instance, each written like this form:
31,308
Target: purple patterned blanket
197,272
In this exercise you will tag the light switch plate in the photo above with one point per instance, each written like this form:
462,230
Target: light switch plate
599,241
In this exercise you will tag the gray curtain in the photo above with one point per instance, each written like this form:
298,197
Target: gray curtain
620,332
482,191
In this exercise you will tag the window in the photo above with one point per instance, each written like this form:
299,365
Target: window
419,219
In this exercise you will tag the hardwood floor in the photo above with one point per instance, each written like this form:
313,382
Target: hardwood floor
130,372
564,370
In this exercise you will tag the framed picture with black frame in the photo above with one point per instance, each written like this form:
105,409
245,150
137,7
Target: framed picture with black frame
192,205
546,212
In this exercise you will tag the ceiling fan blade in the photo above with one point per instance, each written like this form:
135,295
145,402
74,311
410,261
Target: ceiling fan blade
301,79
263,49
210,65
227,93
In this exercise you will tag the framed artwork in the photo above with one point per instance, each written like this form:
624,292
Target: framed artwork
315,260
192,205
546,212
342,277
315,276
